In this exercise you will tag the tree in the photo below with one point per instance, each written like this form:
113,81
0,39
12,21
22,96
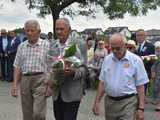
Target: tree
19,30
112,8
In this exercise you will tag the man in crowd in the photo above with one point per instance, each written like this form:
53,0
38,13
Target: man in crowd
4,46
122,78
144,48
13,45
30,66
67,98
50,37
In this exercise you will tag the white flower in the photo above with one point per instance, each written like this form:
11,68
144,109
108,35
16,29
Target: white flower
148,58
156,58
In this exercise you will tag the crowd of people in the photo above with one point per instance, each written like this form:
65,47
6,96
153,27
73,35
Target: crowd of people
115,61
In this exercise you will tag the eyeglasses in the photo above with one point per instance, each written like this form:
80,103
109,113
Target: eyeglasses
116,48
100,43
3,33
130,48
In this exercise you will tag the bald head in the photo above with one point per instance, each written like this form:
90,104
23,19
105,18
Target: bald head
118,45
118,38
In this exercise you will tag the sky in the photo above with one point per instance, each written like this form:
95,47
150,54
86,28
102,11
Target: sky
14,15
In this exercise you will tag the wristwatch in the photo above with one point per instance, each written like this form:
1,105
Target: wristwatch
141,109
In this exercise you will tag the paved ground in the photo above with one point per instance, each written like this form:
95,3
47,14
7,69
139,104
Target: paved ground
10,108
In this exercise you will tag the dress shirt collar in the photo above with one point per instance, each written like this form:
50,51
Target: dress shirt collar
126,57
38,43
142,44
4,37
64,44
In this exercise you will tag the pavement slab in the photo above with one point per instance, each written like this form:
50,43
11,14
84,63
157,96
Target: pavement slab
10,108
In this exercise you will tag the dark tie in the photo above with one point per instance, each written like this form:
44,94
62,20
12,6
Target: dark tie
139,48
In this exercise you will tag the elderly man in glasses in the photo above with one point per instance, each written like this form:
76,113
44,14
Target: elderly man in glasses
122,78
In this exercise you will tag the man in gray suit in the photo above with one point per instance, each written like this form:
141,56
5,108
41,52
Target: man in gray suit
67,97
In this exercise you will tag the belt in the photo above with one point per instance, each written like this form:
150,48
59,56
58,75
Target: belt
33,73
121,97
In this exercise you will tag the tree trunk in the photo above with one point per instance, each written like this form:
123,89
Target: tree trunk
55,16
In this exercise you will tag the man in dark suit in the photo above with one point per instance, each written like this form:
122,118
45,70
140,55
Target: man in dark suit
12,50
144,48
67,97
4,45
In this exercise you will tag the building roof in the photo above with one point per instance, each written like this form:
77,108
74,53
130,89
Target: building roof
153,32
91,30
112,30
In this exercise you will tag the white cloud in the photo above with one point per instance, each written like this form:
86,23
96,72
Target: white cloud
13,15
146,22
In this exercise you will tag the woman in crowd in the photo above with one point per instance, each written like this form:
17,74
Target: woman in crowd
100,53
90,51
131,46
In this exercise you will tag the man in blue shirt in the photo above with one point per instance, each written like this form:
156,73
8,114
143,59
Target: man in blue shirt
122,78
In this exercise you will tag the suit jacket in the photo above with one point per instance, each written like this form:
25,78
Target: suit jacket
12,48
73,87
3,52
148,49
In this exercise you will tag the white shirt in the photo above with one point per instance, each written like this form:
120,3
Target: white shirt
13,40
5,43
122,76
142,45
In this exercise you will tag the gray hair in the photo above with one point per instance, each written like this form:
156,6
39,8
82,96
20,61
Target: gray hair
124,39
66,21
33,23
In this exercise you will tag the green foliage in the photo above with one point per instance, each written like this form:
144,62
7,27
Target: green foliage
59,65
58,79
94,84
128,38
118,8
70,51
112,8
150,89
19,30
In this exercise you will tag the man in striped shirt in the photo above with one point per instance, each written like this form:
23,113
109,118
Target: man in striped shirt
30,66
